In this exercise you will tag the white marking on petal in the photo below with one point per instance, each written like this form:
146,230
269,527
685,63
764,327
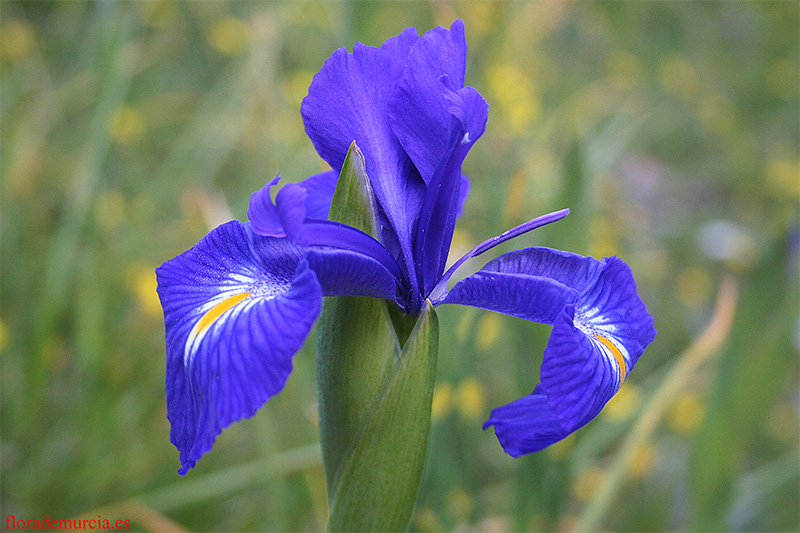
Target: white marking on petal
604,337
240,293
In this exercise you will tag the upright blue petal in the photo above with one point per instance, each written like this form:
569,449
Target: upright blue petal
600,328
463,193
419,110
468,113
348,101
237,306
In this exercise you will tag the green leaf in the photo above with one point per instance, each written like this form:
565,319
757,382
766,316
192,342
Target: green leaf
375,373
353,202
754,370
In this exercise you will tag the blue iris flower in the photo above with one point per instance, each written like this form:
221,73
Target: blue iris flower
240,303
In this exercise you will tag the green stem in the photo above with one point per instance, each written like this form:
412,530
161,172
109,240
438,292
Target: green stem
375,374
375,473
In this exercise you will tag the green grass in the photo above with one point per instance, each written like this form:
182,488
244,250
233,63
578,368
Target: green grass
128,130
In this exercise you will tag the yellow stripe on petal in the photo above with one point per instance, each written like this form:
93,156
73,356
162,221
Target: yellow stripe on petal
215,312
623,369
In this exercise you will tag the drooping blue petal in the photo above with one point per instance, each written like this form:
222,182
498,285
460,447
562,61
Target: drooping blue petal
589,355
569,269
237,306
534,298
526,425
531,423
600,328
534,283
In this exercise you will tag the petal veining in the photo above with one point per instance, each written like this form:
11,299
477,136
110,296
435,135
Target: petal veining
597,337
237,306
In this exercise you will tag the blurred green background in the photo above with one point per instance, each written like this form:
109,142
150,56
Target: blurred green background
670,129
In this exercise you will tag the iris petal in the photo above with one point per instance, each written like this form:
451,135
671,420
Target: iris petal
320,189
419,108
573,270
311,198
463,193
437,219
600,328
347,273
526,425
578,377
263,213
329,233
281,218
534,298
347,101
237,307
291,203
591,352
398,103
